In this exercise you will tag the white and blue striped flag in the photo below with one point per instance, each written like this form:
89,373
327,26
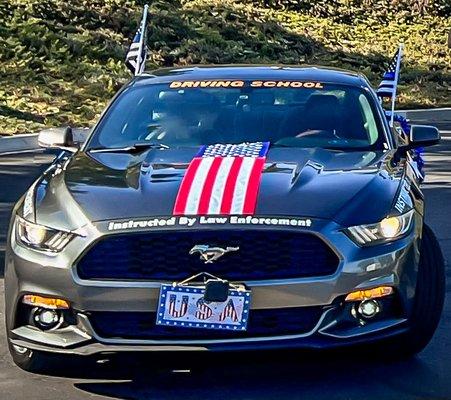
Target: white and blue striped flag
388,85
137,53
387,88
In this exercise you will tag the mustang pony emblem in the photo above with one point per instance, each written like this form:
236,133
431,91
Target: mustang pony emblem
209,254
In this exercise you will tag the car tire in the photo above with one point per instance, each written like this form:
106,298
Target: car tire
428,303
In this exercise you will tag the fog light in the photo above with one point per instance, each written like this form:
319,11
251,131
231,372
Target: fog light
368,308
47,319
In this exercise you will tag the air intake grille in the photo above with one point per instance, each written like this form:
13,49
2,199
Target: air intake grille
141,325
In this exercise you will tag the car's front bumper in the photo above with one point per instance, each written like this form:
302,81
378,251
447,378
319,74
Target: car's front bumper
394,264
78,341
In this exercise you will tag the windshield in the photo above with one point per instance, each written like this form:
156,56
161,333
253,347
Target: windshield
177,114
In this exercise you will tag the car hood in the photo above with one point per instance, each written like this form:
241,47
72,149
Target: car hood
348,187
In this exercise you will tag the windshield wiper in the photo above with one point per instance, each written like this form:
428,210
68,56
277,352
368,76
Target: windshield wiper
135,148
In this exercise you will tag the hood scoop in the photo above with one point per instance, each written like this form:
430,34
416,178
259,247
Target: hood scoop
306,173
156,173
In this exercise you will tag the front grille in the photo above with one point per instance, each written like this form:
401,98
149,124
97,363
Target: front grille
165,256
141,325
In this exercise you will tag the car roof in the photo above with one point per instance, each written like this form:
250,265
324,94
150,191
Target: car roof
252,72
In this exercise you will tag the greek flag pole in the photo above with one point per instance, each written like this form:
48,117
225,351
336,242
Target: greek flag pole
142,53
395,86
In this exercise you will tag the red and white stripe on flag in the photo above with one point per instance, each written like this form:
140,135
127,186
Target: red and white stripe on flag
229,311
222,179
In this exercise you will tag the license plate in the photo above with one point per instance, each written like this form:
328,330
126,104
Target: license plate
184,306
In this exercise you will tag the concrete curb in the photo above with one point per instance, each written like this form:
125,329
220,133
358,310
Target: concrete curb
439,117
19,143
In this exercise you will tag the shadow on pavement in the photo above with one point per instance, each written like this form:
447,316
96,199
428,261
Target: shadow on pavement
290,375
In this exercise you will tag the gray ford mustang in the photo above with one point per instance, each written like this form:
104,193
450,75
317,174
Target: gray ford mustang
226,208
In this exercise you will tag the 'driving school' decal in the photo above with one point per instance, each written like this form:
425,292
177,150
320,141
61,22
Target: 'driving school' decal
222,179
225,83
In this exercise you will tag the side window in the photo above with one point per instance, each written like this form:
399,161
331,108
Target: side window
368,119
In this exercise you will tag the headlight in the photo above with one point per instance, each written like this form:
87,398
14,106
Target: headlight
41,237
388,229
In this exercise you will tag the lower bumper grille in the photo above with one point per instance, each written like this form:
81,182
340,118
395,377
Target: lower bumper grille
141,325
262,254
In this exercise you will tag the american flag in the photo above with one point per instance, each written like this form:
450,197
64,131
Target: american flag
387,88
136,56
203,311
182,309
229,312
222,179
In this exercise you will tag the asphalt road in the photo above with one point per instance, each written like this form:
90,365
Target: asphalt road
264,376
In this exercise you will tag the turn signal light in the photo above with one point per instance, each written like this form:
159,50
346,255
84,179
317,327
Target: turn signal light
367,294
45,302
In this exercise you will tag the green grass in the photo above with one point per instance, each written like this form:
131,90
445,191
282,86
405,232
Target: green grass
61,61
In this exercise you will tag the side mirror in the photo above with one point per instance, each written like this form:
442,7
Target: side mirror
61,138
423,135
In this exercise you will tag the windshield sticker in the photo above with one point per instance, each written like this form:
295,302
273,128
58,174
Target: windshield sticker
287,84
205,220
240,84
206,84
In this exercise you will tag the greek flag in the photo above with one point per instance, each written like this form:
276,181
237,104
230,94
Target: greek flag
137,53
388,85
